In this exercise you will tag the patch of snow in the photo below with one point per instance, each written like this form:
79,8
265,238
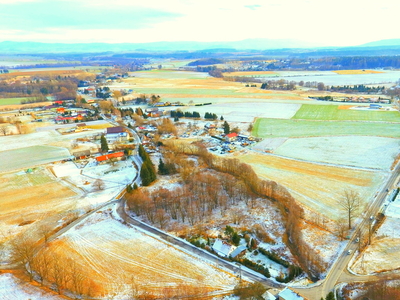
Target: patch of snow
11,288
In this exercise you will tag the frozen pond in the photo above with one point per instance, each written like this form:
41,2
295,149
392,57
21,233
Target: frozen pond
332,78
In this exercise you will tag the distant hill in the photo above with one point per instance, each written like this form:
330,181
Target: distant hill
254,44
382,43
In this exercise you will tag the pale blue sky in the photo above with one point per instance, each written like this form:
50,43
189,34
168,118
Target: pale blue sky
339,22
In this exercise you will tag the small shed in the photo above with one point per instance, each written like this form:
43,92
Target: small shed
238,251
81,154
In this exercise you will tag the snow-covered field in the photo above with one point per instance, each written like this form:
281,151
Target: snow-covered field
110,250
356,151
12,288
248,111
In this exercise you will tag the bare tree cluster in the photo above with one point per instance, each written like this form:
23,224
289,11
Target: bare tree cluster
291,211
195,201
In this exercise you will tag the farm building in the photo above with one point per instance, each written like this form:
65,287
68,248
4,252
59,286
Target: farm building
106,157
231,136
81,154
222,248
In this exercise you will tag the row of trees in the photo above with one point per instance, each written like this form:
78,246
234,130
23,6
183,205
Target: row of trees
61,89
49,269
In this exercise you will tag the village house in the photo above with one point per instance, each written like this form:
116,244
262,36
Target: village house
230,137
222,248
288,294
116,134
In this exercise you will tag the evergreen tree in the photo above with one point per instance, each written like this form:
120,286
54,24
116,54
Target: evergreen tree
235,238
226,127
161,168
330,296
103,144
222,118
145,175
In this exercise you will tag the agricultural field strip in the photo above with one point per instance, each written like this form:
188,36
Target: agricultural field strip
333,113
159,268
157,265
307,128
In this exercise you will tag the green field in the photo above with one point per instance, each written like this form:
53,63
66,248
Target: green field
332,112
269,128
11,101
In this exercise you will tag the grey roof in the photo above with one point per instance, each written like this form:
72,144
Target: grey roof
238,250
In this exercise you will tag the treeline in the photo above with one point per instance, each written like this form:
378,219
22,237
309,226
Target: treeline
242,79
291,211
279,85
358,89
206,61
179,114
61,88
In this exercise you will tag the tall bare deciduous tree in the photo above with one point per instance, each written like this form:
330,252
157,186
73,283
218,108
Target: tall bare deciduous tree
350,203
23,252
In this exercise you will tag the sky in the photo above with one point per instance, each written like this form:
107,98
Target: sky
323,22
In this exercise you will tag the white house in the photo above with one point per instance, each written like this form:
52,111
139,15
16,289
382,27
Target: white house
222,248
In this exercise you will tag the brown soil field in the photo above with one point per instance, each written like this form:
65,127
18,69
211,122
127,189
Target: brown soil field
356,72
44,72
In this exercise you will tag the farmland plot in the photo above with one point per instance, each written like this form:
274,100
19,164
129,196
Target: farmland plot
247,111
356,151
316,186
307,128
32,156
109,250
333,112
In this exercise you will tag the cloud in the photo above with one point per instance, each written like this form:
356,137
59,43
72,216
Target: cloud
253,7
63,14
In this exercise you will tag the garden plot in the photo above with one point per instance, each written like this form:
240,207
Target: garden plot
355,151
316,186
109,250
12,288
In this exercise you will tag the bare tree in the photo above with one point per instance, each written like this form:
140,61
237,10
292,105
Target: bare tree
98,184
341,228
350,203
4,129
23,252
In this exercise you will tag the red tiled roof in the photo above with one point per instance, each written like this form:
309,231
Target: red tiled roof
110,155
